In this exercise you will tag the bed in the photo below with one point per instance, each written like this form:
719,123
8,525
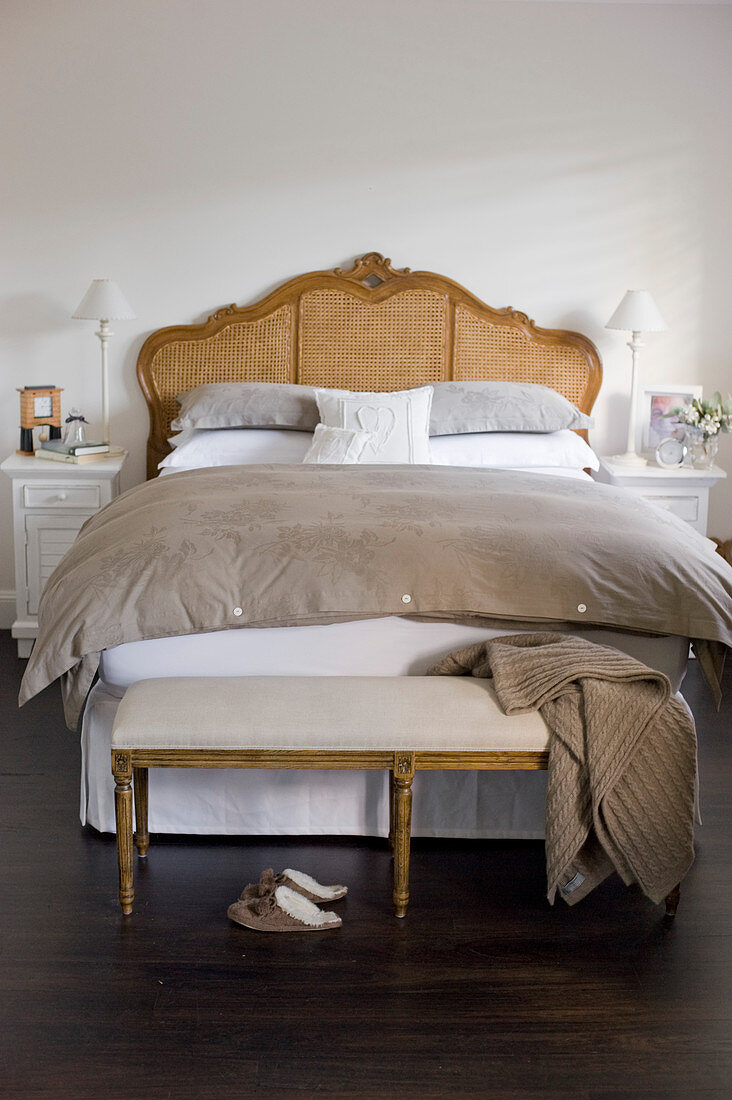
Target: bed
369,328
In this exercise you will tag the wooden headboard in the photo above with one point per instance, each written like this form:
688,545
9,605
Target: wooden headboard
372,327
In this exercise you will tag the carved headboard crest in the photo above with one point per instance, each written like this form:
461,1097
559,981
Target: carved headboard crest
370,327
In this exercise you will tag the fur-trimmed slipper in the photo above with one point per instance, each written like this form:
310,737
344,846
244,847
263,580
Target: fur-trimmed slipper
294,880
282,910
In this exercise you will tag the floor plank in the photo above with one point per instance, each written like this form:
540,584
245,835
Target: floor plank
484,990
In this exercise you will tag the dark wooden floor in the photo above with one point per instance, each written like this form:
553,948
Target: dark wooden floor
484,990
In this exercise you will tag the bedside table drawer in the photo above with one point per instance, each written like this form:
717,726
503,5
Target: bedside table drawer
62,496
686,507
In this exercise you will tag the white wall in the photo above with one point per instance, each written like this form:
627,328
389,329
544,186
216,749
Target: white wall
547,156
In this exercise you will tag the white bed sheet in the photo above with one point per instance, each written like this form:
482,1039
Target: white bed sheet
448,804
556,471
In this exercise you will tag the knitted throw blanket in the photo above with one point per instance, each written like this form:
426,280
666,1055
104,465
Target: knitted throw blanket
622,758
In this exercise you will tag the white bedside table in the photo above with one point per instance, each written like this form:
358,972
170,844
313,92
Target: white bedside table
683,491
51,501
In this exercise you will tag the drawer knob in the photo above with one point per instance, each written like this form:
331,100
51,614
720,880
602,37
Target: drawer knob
62,496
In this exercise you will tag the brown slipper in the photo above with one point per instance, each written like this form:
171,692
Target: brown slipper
294,880
282,910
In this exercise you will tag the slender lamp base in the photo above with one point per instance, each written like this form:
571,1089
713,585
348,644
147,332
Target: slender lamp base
104,334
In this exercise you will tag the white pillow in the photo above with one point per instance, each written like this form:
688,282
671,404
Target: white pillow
398,422
337,445
236,446
197,447
514,449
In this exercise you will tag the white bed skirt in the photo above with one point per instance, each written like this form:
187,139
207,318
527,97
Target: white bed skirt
352,803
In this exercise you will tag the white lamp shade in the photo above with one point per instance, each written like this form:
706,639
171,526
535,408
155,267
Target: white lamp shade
637,313
104,301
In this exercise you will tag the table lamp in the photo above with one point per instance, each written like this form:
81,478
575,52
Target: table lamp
104,302
637,313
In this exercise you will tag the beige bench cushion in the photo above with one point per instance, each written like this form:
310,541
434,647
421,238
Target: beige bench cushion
431,713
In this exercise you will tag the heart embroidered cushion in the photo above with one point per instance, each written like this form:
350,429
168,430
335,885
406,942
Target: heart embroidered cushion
337,445
397,422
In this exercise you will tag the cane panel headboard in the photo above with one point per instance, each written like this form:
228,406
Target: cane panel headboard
372,327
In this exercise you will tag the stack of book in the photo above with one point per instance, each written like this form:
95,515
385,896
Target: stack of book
58,451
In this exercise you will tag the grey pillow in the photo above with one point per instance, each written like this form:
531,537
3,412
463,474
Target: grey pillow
457,407
247,405
462,407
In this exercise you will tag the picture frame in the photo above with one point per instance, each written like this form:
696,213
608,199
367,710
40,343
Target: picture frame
652,424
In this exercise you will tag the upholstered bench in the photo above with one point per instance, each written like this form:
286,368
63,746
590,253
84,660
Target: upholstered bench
399,723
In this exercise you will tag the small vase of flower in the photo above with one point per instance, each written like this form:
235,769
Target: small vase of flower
703,421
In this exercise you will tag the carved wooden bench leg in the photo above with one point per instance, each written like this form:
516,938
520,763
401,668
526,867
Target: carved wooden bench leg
122,768
403,774
142,837
392,809
672,901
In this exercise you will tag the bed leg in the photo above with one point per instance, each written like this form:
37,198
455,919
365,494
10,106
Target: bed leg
403,774
672,901
122,770
142,837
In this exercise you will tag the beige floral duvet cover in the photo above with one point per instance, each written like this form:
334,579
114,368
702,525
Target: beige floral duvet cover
261,546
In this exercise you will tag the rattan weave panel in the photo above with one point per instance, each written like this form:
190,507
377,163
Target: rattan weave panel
350,344
486,350
244,351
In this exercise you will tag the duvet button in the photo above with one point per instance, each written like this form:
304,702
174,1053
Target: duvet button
581,607
238,611
406,598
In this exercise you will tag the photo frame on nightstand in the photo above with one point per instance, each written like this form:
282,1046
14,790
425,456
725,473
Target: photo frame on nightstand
652,424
